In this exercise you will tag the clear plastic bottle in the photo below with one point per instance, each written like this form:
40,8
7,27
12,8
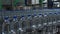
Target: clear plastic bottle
45,22
29,23
45,19
55,23
13,25
40,20
5,26
35,22
58,22
50,23
40,23
50,16
23,22
22,25
55,18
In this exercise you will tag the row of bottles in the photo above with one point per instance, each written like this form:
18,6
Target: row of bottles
31,24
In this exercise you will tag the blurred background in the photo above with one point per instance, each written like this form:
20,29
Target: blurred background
21,4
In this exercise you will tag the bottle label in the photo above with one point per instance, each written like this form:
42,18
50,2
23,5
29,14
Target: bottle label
20,28
49,22
58,20
54,22
45,24
39,24
34,26
40,16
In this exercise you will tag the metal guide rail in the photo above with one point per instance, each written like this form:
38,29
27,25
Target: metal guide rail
26,12
42,23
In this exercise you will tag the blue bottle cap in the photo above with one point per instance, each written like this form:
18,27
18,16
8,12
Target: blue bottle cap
29,15
55,13
35,15
50,13
22,16
6,17
40,14
14,16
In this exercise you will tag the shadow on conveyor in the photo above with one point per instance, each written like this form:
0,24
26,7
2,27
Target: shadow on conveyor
1,22
58,30
7,7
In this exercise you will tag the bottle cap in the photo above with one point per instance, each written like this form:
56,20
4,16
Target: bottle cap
14,16
6,17
29,15
22,16
40,14
34,14
55,13
50,13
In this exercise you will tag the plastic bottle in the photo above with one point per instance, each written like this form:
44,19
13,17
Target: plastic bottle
23,22
29,23
55,18
35,21
46,18
29,18
50,23
5,29
55,23
22,25
50,15
13,25
47,22
51,20
40,22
